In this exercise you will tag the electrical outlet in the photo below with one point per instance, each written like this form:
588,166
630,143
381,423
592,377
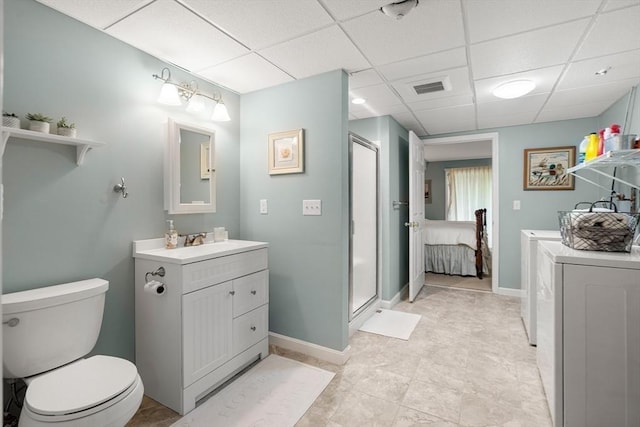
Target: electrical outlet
264,207
312,207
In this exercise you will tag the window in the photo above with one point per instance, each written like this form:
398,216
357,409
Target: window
468,189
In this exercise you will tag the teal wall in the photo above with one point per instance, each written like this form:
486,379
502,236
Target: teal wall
308,255
63,222
392,139
436,173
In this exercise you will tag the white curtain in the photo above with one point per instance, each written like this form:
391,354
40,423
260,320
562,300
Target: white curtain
468,189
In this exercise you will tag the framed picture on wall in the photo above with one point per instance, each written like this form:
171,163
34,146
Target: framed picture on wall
546,168
286,152
427,191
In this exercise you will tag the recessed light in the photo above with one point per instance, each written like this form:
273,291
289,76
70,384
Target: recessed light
602,71
358,101
514,89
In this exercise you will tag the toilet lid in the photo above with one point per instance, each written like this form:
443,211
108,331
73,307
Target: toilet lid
80,385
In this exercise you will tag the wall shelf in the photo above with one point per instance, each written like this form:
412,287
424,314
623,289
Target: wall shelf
82,145
610,159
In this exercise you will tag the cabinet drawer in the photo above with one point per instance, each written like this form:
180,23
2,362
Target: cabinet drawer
201,274
250,328
250,292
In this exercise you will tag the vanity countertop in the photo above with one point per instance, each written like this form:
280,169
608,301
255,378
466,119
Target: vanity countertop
153,249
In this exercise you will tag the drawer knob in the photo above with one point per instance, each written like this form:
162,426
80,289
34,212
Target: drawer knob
232,292
253,292
253,328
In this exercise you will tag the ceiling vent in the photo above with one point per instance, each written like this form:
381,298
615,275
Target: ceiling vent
429,88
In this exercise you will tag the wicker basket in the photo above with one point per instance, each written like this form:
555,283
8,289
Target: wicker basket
598,231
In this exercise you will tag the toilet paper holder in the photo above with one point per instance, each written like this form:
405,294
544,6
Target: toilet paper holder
159,272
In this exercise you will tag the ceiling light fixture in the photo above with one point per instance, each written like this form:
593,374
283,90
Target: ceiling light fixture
603,71
399,9
171,92
358,101
514,89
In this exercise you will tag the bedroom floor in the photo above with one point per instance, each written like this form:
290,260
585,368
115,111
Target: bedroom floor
461,282
467,363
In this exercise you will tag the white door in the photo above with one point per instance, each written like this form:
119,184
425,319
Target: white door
416,215
364,224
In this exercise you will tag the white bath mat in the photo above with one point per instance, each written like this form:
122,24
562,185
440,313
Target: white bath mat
391,323
276,392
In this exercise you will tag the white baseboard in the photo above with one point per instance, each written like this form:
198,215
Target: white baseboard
510,292
388,304
323,353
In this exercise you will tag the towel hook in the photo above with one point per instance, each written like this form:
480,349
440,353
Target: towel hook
121,188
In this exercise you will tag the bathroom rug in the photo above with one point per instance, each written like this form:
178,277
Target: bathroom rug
391,323
276,392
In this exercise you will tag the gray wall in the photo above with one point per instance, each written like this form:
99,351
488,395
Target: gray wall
436,173
308,255
394,186
63,222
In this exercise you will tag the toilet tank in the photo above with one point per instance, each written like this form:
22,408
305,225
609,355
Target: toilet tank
48,327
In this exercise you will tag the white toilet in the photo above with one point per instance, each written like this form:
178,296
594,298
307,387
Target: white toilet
46,334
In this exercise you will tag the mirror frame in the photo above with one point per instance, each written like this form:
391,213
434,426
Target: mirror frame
172,170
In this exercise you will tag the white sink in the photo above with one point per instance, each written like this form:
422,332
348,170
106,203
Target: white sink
153,249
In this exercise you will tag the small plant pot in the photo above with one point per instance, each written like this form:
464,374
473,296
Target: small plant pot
39,126
11,122
70,132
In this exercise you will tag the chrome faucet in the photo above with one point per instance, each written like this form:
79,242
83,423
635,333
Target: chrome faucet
194,239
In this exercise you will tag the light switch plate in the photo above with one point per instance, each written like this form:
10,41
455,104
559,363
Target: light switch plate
264,207
312,207
516,205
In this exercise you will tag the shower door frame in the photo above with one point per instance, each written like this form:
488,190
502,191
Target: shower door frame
356,139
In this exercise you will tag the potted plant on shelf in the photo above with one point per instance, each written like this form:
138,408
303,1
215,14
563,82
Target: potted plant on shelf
10,120
66,129
38,122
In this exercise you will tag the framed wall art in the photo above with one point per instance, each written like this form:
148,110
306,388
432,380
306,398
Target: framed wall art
286,152
546,168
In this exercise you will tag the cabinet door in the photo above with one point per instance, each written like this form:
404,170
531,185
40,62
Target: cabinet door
601,346
207,327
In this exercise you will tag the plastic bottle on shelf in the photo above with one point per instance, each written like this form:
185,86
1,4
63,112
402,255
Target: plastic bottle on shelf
171,236
592,147
600,142
582,150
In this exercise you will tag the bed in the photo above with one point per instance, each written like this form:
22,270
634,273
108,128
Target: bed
457,247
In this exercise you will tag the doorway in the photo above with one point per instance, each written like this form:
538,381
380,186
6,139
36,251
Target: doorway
363,225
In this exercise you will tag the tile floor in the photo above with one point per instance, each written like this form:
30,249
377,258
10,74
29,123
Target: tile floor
467,363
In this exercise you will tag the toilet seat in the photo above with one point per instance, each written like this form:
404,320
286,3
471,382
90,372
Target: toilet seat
81,388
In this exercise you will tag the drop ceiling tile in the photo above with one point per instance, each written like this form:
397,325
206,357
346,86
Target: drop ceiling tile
605,94
549,114
98,14
617,4
453,58
525,104
544,78
486,19
522,52
622,66
378,110
447,120
433,26
612,32
315,53
436,103
510,119
456,83
364,78
259,24
378,94
192,43
342,9
246,74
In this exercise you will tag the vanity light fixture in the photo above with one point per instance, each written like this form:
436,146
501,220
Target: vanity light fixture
514,89
172,92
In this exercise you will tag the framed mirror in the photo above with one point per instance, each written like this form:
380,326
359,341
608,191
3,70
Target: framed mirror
190,173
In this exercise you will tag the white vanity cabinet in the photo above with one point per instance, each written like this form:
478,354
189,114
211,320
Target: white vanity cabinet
210,322
589,335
